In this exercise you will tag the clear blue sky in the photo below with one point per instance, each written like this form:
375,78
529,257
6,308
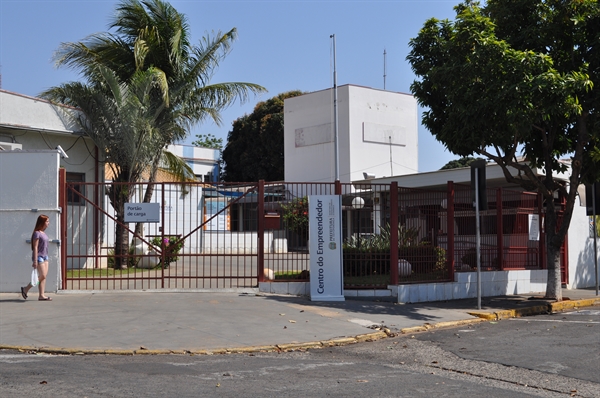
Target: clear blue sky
282,45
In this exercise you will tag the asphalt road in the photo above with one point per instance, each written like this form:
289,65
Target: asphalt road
542,356
566,344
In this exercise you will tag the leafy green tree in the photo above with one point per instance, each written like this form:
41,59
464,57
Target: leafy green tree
518,76
465,161
208,141
254,149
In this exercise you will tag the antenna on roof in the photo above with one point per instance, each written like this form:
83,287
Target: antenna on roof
384,61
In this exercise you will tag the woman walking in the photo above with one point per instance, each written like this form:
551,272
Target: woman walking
39,255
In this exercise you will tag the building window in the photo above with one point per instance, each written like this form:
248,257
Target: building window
75,192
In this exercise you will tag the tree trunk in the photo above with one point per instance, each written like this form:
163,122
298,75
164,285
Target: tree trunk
121,243
119,195
553,245
139,227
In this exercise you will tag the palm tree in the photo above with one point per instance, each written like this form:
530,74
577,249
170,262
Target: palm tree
152,35
123,119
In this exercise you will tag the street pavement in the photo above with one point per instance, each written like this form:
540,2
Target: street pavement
156,322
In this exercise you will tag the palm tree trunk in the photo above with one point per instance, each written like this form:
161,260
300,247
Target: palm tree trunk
118,196
139,227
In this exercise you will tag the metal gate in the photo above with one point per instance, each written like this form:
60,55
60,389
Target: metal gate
233,236
187,236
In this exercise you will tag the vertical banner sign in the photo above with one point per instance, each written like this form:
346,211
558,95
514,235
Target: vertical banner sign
325,230
534,227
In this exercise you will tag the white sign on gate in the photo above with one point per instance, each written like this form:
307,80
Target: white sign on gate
534,227
325,227
142,212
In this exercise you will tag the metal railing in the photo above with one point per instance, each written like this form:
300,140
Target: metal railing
210,236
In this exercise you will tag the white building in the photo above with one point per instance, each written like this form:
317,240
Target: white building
204,161
28,123
30,131
377,134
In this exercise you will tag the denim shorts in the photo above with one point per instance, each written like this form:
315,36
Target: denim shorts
41,259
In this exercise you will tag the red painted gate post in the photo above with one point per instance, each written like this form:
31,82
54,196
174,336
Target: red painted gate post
260,241
499,229
450,226
394,232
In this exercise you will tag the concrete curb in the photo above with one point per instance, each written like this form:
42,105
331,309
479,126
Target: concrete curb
439,325
236,350
548,308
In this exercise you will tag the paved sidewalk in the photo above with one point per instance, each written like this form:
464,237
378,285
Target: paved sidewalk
162,322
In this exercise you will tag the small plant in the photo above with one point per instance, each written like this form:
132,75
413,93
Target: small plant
172,246
295,215
407,236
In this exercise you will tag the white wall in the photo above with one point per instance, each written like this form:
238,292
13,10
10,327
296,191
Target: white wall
581,251
33,113
493,283
375,116
367,118
201,160
28,180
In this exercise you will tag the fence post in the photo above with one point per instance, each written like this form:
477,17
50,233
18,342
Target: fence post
338,187
394,232
499,230
162,239
450,227
62,203
260,239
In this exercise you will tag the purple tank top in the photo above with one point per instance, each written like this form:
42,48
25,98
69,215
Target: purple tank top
42,243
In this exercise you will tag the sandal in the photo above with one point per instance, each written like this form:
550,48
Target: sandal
45,299
23,293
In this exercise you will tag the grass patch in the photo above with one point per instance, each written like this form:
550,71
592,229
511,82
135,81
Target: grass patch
367,280
287,275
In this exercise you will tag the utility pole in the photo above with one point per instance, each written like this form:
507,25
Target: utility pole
335,117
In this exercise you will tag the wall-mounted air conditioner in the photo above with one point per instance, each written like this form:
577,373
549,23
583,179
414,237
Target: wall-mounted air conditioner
11,146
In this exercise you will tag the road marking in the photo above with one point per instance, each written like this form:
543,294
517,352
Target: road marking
551,320
20,358
362,322
583,312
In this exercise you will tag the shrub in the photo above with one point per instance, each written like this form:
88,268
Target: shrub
172,246
407,236
371,255
424,258
295,215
